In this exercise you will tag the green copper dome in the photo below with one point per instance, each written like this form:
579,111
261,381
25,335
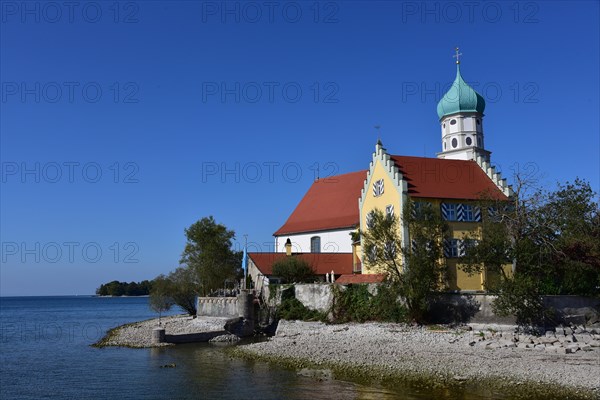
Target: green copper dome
460,98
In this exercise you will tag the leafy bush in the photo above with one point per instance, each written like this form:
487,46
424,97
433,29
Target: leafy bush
356,304
292,309
293,270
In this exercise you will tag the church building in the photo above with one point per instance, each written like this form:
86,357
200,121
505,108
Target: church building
335,207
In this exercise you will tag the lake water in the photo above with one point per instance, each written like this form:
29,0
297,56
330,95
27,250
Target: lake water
45,353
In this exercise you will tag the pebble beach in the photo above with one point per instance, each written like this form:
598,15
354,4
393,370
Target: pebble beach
448,356
438,355
139,334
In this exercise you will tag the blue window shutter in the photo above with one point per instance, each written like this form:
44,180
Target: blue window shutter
446,248
460,215
477,213
444,208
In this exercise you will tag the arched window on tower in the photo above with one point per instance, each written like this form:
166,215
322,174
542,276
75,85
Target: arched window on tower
315,244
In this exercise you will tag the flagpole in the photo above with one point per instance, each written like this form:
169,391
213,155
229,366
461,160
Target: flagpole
245,262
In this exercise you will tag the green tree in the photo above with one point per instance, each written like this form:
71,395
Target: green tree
416,269
294,270
160,300
183,289
551,239
208,252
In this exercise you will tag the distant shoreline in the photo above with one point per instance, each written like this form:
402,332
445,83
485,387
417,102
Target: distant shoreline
67,295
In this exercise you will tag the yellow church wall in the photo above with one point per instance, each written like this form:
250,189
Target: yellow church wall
457,279
390,196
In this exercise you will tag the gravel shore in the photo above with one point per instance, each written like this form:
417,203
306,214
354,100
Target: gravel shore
139,334
398,350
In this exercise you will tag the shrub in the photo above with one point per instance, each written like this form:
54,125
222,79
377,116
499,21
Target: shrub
357,304
292,309
293,270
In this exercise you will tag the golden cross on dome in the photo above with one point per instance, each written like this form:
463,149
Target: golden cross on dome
457,55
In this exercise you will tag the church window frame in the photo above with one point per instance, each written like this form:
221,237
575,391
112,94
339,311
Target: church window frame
389,211
468,213
369,219
452,246
454,143
315,244
451,213
378,188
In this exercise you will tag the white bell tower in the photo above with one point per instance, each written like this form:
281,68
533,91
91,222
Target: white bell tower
461,120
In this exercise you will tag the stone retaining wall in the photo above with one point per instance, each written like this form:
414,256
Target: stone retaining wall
469,307
217,306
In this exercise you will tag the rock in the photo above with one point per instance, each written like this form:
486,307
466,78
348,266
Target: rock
549,334
568,331
586,347
548,340
575,319
570,338
573,347
583,337
224,339
240,327
594,343
172,365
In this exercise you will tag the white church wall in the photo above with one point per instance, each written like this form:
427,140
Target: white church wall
335,241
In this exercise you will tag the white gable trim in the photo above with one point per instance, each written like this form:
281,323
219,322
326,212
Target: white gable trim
381,156
496,177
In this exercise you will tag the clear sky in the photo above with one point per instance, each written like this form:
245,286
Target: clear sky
124,122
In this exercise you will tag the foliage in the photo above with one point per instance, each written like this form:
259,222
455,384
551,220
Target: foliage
357,304
551,239
183,289
292,309
160,300
117,288
424,272
293,270
208,252
521,298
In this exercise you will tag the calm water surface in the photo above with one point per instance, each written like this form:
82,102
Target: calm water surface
45,353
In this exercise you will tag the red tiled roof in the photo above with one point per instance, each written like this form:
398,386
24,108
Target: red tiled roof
323,263
446,179
360,278
330,203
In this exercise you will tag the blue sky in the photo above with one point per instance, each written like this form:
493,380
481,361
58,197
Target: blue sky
123,123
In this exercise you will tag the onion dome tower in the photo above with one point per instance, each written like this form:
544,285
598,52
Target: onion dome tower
461,118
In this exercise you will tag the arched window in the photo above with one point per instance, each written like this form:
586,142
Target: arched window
315,244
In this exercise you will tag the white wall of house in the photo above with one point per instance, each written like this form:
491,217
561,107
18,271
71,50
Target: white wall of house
334,241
